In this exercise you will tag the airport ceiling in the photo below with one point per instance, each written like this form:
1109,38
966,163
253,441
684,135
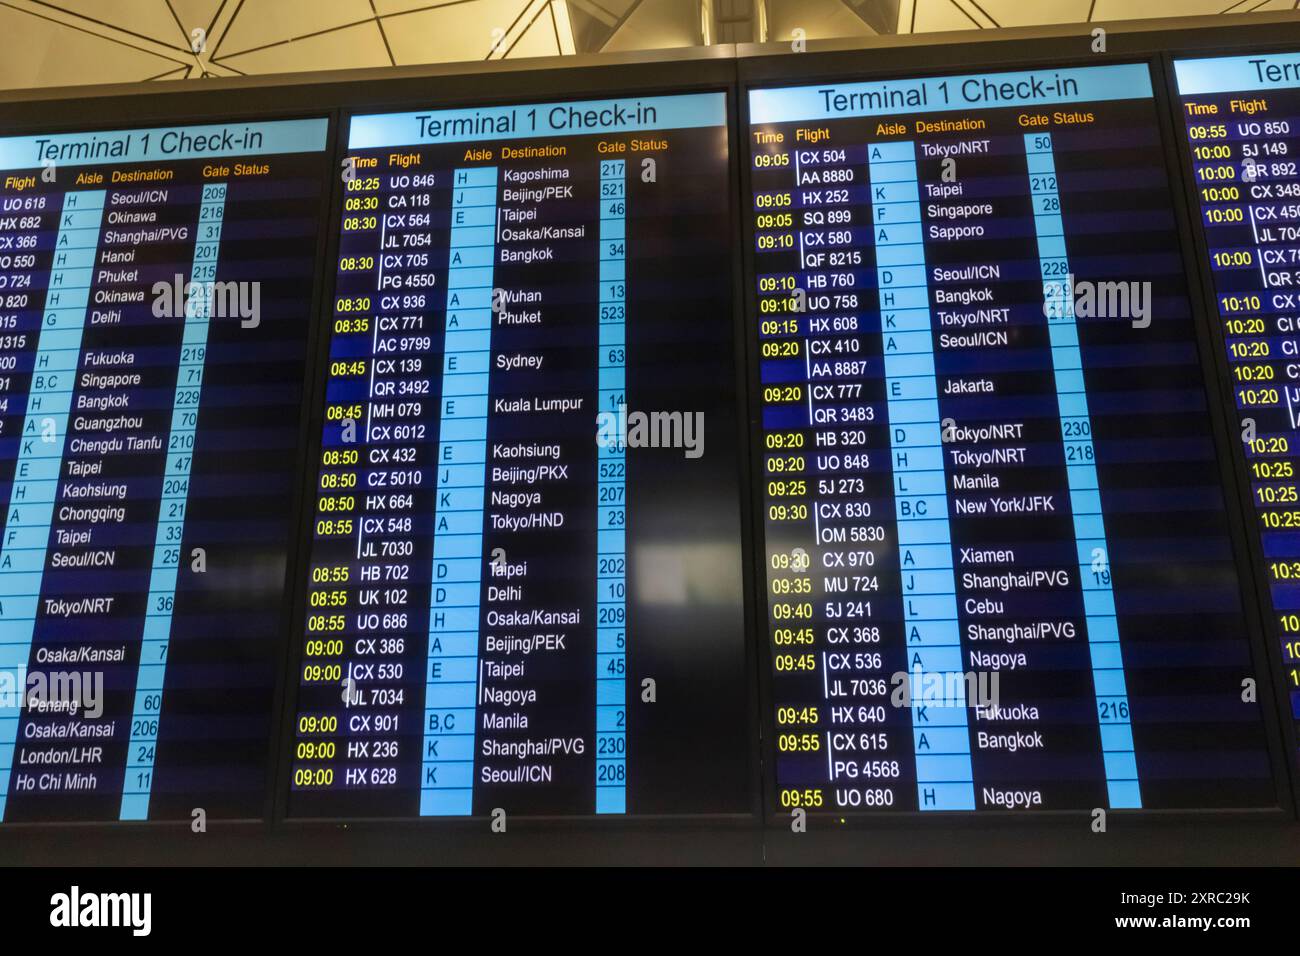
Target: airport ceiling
73,42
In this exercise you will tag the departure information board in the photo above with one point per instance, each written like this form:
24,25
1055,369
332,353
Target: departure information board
1242,116
155,288
525,586
1000,571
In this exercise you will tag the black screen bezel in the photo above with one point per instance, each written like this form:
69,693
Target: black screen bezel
730,837
543,87
1256,836
128,119
1222,378
795,69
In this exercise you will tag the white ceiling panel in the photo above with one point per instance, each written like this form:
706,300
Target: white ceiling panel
539,38
458,32
342,49
196,13
260,22
1019,13
819,19
657,25
1128,10
385,7
52,54
149,19
937,16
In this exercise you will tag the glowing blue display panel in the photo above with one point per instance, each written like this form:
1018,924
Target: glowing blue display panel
1000,574
155,294
524,586
1242,120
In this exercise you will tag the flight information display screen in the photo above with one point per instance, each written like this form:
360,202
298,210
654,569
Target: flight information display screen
524,588
1000,572
1242,116
155,288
